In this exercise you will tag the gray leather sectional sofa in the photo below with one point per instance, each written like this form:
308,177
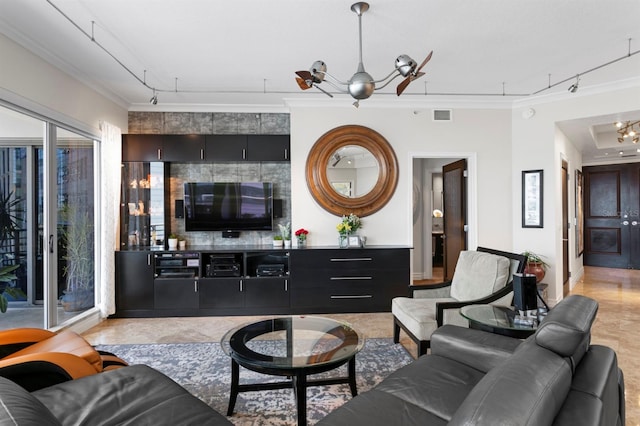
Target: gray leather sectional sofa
555,377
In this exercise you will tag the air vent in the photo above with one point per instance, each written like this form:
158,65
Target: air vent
441,115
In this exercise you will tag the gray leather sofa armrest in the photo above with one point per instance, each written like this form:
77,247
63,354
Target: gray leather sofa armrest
477,349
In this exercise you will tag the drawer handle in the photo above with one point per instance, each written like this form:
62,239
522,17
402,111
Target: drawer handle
351,259
349,278
355,296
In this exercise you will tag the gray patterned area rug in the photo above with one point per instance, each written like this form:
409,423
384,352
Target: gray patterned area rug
205,371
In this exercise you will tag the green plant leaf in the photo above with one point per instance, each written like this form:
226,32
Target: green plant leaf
4,304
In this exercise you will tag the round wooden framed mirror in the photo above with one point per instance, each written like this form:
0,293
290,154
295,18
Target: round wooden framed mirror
367,177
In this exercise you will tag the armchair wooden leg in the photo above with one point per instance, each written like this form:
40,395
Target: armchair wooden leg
423,346
396,331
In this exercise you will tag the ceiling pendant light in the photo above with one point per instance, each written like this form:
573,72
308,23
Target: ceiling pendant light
627,130
361,85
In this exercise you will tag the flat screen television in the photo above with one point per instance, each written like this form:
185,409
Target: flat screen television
228,206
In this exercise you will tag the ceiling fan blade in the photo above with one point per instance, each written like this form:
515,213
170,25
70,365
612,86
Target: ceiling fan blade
427,59
302,83
305,75
403,85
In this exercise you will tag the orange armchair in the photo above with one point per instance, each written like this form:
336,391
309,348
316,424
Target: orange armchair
36,358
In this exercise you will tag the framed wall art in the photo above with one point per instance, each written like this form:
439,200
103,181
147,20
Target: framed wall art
532,199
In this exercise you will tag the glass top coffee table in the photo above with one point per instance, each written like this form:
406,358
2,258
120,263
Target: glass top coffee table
293,347
498,320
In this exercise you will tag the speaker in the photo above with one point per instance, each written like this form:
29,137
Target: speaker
179,205
277,208
525,292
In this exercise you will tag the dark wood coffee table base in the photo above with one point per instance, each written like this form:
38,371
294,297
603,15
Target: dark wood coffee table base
299,383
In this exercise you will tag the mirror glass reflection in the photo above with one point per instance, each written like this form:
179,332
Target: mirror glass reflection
352,171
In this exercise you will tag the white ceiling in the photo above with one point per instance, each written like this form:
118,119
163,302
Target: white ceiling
245,52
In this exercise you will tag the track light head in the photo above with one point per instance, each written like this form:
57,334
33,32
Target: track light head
574,87
154,99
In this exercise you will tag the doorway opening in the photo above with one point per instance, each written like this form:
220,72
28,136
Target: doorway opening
429,214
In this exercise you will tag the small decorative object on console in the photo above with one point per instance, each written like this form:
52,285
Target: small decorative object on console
347,228
301,235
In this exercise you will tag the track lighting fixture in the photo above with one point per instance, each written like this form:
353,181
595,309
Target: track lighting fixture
574,87
627,130
154,99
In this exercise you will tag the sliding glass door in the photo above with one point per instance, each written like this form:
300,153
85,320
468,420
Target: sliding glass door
47,222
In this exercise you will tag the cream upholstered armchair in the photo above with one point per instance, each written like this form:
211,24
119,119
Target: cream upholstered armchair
482,276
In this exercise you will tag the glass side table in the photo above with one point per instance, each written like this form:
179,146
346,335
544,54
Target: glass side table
498,320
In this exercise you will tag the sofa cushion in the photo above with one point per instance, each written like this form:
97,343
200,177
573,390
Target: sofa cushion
567,328
426,392
418,315
380,408
134,395
478,275
528,389
19,407
477,349
604,387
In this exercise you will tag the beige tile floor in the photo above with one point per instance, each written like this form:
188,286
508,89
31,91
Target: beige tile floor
616,290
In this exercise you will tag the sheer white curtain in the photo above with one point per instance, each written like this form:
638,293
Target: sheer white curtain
111,158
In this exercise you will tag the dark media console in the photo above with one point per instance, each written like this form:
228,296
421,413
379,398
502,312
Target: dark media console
259,281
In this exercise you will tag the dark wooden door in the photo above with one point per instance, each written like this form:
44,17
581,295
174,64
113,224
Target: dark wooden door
565,228
612,216
454,185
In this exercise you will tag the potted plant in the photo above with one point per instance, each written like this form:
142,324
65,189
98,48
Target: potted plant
535,265
8,226
173,241
77,239
285,232
277,241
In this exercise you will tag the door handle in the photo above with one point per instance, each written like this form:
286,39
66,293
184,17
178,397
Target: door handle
625,223
51,243
634,223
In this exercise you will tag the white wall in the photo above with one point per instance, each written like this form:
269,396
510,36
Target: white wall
537,144
480,134
32,83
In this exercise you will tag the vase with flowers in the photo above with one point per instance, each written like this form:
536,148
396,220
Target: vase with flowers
348,226
301,236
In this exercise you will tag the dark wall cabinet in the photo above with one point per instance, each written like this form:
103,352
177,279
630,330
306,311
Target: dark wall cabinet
226,147
268,147
141,147
259,282
134,282
187,148
183,148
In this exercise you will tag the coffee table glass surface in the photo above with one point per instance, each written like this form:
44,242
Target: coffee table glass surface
295,347
293,342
